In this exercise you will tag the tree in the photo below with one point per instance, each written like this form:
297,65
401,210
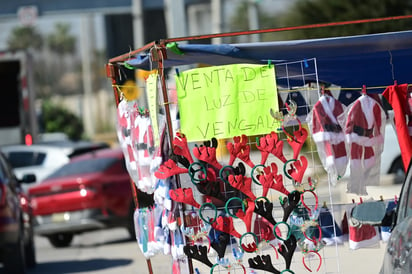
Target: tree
240,21
25,37
65,68
60,41
306,12
58,119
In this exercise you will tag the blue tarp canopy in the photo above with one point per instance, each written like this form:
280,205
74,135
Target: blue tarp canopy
350,62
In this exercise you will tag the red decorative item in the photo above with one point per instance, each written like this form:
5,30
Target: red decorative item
364,132
180,147
246,217
328,135
297,140
298,169
308,253
249,248
225,224
398,97
239,149
277,149
183,195
263,229
243,184
168,169
271,179
264,144
207,154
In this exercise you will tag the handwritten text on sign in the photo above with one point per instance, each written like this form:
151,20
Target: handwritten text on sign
226,101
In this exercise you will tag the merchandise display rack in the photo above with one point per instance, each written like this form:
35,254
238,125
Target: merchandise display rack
249,249
292,77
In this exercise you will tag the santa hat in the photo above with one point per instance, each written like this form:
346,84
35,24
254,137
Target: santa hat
361,236
328,135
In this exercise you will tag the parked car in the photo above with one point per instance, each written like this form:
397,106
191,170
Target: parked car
398,252
91,192
391,160
74,148
44,159
40,160
17,250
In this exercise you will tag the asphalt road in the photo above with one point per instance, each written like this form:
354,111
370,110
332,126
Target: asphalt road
101,252
111,251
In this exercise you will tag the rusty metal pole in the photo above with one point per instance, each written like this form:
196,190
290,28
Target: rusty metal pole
112,73
161,55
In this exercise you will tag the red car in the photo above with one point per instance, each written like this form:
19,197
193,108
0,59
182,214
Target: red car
91,192
17,250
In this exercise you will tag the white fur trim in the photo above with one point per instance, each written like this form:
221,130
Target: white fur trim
365,243
328,104
363,140
332,137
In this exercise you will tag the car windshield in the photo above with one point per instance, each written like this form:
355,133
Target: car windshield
25,158
83,166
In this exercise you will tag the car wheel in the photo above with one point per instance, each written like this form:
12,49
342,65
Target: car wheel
130,224
398,170
30,252
61,239
14,261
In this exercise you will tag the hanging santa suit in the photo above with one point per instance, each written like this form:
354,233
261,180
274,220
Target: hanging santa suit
364,132
400,100
124,128
328,135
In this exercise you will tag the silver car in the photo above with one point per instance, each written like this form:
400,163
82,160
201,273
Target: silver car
398,253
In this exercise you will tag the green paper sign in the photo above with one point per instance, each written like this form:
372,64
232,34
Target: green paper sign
151,85
227,101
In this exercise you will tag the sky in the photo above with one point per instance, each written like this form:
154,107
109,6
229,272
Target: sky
45,25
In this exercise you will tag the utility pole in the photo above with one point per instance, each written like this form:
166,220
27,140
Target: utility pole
87,31
138,42
217,12
175,18
253,17
138,28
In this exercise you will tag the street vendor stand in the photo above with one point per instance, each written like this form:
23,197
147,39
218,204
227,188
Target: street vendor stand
249,186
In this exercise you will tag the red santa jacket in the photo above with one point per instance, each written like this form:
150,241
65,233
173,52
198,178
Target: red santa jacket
365,127
397,96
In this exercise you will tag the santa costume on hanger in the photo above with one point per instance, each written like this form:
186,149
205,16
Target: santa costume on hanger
364,132
399,97
328,135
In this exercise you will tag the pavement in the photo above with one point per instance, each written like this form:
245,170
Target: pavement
335,258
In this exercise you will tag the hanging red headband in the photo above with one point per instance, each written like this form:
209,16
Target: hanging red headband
180,147
271,179
304,260
183,195
239,149
207,154
313,213
297,169
168,169
243,184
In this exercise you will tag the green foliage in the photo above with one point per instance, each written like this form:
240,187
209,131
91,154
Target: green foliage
58,119
240,22
306,12
60,41
24,37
